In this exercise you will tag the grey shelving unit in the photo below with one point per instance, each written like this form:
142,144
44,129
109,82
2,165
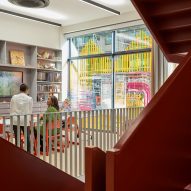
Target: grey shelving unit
37,60
49,73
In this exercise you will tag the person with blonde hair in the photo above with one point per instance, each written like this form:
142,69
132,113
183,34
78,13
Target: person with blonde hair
66,105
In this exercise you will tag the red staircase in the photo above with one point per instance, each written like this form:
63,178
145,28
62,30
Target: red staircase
170,23
156,154
22,171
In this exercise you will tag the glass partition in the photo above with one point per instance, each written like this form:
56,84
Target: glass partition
95,78
133,80
133,38
91,44
91,83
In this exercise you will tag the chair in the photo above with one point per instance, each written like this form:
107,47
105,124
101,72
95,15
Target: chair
72,125
52,138
6,133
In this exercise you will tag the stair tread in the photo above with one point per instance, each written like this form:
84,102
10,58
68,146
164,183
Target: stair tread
170,22
172,12
186,40
188,188
175,27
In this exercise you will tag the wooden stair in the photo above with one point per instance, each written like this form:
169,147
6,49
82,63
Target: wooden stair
170,24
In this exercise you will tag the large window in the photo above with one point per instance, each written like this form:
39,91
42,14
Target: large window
132,80
133,38
91,83
91,44
111,69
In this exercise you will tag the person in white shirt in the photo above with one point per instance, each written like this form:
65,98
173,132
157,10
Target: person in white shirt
21,104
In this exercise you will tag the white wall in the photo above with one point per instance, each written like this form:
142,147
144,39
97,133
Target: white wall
26,31
108,23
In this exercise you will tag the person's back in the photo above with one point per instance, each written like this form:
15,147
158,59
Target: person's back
21,104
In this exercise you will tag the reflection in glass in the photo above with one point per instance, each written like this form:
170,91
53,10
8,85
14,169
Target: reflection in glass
91,83
133,38
91,78
90,44
133,80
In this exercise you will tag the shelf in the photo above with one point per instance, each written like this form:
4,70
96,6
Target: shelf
37,62
49,60
51,70
46,82
15,66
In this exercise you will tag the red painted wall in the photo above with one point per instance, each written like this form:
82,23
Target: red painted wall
94,169
22,171
155,155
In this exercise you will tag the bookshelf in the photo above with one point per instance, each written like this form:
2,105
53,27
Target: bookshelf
49,73
41,68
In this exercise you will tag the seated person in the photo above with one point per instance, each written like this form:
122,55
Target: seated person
53,106
65,108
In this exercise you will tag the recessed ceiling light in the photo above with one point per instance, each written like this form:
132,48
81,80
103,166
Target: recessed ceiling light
31,3
113,2
90,2
44,13
28,17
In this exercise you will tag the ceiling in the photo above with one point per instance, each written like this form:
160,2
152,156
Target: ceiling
69,12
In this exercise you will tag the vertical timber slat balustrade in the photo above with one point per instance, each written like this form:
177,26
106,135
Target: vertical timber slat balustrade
80,143
75,144
108,128
11,129
61,140
101,129
44,136
55,138
97,114
50,139
70,142
104,129
25,133
93,127
88,128
84,138
66,142
32,134
38,135
18,131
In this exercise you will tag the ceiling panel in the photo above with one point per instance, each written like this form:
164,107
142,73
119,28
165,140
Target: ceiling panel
69,12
